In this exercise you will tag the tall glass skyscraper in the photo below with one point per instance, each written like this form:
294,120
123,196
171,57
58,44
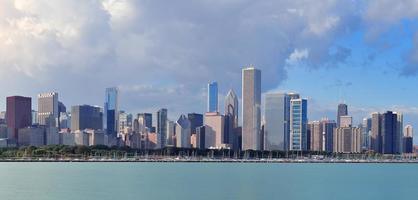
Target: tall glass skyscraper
111,111
298,124
251,109
213,97
276,121
231,119
161,128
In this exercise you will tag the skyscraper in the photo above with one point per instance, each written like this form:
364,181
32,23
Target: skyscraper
231,119
342,111
196,120
111,111
183,132
298,124
147,118
212,97
315,130
251,112
327,127
214,130
171,130
231,107
366,133
276,121
48,111
161,128
18,114
86,117
386,136
346,121
347,140
408,139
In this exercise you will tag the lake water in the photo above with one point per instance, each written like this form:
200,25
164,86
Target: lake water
211,181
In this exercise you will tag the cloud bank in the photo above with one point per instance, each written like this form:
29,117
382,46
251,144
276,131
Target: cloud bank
162,53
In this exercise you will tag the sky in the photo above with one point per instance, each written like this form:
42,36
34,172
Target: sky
163,53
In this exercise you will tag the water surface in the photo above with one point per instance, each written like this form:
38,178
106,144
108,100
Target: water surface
207,181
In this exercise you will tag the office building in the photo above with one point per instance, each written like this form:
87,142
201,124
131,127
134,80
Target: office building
86,117
196,120
298,124
251,109
200,137
408,145
342,111
111,111
316,136
214,130
212,97
171,133
95,137
183,132
65,120
347,140
31,136
81,137
231,118
327,127
125,122
276,121
34,117
346,121
18,114
48,113
386,137
51,136
161,127
366,133
147,117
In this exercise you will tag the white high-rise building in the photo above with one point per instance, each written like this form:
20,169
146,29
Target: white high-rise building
298,124
48,109
251,109
276,121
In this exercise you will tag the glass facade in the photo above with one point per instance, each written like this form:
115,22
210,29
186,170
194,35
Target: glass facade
276,117
111,113
298,124
213,97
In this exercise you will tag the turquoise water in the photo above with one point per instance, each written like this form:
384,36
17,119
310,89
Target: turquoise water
103,181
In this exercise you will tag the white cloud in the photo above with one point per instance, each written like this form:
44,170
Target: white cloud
79,47
297,55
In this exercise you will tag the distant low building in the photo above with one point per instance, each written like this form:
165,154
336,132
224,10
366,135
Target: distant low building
31,136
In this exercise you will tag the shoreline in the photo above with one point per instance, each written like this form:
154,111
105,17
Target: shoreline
300,161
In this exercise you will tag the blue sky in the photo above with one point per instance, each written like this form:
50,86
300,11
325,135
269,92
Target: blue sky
162,54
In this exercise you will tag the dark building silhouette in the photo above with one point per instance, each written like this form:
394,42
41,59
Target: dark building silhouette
18,114
328,127
386,136
196,120
408,145
200,137
86,117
